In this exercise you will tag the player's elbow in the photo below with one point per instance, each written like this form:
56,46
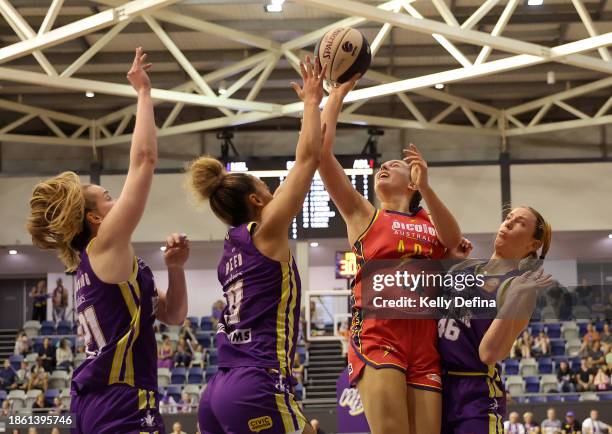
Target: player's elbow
144,158
488,355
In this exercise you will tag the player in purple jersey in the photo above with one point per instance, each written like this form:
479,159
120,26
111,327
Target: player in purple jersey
115,390
258,329
473,394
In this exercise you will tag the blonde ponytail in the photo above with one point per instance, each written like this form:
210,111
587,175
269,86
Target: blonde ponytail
57,214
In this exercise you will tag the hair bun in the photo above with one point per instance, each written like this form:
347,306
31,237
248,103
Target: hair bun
206,175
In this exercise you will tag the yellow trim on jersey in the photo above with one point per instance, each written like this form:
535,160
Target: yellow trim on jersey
281,334
151,399
294,295
284,412
302,421
122,344
466,374
142,399
129,360
367,229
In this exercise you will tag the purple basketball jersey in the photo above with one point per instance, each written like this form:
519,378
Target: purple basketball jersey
459,339
260,323
117,320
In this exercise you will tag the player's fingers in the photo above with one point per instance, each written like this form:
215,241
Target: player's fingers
323,72
317,67
303,70
309,66
147,66
143,58
169,242
323,130
177,238
297,88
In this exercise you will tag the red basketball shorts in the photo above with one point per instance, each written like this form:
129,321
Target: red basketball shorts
409,345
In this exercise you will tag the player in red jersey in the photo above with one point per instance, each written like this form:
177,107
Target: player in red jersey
405,397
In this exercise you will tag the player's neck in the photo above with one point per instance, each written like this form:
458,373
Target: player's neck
399,205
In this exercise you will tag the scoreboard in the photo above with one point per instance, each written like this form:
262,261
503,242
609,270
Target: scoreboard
319,217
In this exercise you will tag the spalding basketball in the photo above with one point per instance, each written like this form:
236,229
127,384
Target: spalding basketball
346,52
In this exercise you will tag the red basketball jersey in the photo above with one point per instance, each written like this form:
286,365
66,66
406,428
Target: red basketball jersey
396,235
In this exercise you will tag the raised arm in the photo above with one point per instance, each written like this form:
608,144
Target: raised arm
517,305
446,226
355,209
114,235
271,234
172,303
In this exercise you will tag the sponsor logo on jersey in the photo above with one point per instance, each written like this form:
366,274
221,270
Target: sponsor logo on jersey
434,377
350,368
260,423
240,336
148,421
350,398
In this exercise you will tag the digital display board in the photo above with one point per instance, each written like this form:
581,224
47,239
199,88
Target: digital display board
319,217
346,265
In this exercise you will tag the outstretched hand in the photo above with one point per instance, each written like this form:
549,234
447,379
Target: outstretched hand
342,90
137,75
177,250
418,167
312,76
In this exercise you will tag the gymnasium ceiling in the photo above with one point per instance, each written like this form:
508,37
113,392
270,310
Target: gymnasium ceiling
522,85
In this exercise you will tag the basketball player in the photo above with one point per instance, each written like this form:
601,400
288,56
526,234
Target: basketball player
257,333
394,363
115,390
473,393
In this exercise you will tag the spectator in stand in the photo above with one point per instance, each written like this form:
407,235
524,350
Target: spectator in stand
566,378
64,356
58,407
60,301
47,355
177,428
22,376
606,334
167,404
182,356
522,346
298,369
608,351
513,424
55,430
185,404
39,406
583,292
79,342
316,426
39,378
198,357
7,376
22,344
596,353
585,376
165,353
541,345
593,425
188,334
6,408
39,294
591,335
571,425
531,426
551,425
32,430
601,380
217,311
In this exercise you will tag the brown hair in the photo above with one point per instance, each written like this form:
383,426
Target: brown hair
543,232
57,217
226,192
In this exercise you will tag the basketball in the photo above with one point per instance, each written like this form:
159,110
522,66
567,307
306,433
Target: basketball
346,52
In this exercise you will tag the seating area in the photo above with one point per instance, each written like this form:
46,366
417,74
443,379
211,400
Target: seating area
534,379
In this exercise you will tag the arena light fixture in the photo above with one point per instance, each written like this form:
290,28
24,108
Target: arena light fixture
314,244
90,94
274,6
610,236
12,252
439,86
162,248
535,2
222,87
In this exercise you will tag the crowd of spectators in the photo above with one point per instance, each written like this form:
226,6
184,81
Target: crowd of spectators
552,425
